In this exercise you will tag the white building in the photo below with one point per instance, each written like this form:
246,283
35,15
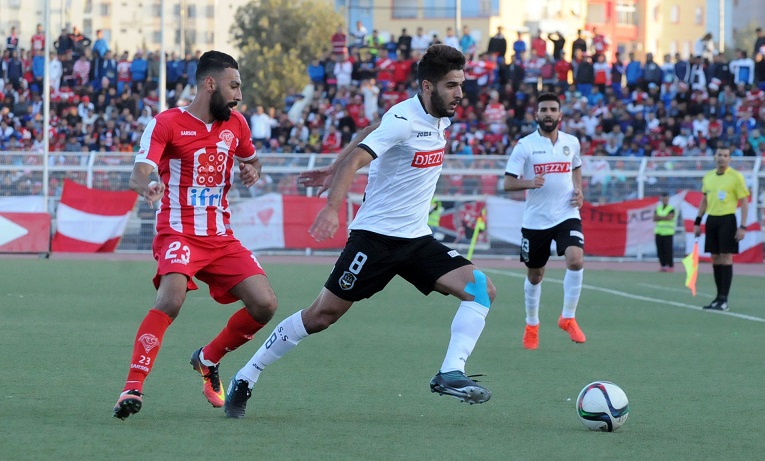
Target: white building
128,24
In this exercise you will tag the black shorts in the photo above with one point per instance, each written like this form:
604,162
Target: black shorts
370,260
535,245
720,236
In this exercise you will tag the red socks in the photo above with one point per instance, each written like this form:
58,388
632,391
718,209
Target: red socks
240,328
148,340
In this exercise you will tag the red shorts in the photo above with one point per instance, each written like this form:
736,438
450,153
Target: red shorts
220,262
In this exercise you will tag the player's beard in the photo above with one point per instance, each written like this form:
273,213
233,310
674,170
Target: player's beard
548,127
219,109
439,106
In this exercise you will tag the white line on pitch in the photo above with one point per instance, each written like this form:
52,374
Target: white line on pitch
673,290
632,296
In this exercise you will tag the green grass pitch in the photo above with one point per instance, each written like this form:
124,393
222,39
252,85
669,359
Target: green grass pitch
359,391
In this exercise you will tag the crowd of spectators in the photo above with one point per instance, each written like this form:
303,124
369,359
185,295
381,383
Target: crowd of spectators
616,104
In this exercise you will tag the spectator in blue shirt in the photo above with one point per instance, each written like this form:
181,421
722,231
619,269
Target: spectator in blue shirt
100,47
519,47
191,69
38,70
633,72
634,150
316,72
138,70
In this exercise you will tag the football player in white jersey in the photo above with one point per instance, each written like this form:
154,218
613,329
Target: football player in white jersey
548,165
390,234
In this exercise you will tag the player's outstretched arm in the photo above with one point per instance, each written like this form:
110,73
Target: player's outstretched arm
141,183
322,177
326,223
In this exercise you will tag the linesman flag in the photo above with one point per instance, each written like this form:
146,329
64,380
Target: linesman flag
691,264
480,225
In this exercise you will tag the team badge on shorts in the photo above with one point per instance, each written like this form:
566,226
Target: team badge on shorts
566,150
347,281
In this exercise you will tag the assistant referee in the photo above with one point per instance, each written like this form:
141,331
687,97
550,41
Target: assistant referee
724,189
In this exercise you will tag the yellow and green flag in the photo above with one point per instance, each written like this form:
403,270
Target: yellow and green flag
480,225
691,264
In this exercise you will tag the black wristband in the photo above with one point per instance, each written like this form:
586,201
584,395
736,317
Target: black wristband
697,222
742,227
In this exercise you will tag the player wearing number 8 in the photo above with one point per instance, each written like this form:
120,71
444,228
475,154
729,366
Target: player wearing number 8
390,234
194,149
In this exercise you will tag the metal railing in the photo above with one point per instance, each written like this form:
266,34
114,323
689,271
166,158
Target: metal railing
464,178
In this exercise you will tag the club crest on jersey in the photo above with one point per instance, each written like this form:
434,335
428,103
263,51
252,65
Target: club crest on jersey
566,150
227,136
347,281
428,159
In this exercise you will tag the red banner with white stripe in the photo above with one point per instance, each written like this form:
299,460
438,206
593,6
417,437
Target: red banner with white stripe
624,228
91,220
282,221
24,232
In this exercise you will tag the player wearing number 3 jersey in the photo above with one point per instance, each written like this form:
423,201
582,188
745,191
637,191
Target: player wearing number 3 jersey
547,164
194,150
390,234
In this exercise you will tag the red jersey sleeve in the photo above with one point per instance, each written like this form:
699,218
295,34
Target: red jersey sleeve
245,149
155,138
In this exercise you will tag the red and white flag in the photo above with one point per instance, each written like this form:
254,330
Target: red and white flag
91,220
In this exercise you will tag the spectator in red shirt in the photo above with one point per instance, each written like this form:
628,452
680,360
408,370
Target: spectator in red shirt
539,45
38,39
339,42
562,69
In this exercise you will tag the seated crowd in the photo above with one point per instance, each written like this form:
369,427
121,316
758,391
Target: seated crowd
617,108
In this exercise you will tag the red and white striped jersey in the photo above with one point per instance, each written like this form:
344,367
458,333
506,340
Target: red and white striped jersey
494,113
195,161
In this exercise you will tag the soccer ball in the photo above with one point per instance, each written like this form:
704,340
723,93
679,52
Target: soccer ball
602,406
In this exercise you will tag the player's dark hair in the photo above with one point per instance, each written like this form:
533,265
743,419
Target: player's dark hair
548,96
213,62
438,61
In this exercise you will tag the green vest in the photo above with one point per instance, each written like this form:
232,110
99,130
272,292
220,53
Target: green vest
374,44
434,218
665,227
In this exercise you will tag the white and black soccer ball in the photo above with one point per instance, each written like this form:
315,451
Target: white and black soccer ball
602,406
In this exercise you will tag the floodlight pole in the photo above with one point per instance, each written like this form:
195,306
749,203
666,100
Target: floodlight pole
161,91
45,90
722,26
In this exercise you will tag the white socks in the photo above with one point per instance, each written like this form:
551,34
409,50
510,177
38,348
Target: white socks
572,288
532,294
467,326
284,338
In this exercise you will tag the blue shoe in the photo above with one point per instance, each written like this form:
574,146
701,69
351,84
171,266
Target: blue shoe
236,398
459,386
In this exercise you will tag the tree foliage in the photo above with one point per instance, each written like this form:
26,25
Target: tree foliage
278,39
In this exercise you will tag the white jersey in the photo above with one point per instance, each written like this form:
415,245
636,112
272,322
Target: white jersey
534,154
408,147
